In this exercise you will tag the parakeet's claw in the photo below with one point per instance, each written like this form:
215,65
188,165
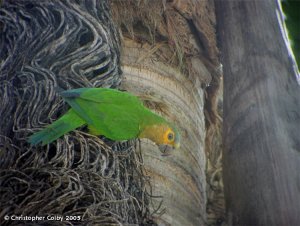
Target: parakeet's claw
165,149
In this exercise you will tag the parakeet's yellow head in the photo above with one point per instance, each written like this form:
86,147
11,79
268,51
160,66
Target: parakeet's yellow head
170,137
162,134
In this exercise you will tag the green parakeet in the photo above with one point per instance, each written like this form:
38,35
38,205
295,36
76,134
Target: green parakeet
109,112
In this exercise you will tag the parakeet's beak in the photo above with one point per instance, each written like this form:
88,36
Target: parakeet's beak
165,149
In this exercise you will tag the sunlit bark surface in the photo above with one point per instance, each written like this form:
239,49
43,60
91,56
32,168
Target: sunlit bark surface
179,178
170,73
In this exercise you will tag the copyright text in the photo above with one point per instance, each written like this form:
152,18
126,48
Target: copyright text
42,218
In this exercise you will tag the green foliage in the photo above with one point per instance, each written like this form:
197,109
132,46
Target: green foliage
291,9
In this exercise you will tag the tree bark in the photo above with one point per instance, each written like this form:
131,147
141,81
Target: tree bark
177,180
261,116
170,75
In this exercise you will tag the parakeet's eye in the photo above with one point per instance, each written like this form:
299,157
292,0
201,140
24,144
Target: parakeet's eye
170,136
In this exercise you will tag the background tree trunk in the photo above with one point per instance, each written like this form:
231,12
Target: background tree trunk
261,116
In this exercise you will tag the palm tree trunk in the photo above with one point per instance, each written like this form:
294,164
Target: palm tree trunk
169,56
261,116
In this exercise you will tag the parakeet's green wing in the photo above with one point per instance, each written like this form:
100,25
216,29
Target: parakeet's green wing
102,95
115,114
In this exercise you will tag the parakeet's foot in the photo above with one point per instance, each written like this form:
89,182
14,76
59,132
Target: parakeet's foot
94,131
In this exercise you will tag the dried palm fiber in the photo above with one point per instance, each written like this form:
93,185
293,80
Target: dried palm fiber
67,44
215,189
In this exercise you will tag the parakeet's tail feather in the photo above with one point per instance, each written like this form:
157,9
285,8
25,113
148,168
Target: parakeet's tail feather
66,123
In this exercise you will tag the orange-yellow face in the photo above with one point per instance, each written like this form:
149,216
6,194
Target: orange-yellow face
169,138
162,134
